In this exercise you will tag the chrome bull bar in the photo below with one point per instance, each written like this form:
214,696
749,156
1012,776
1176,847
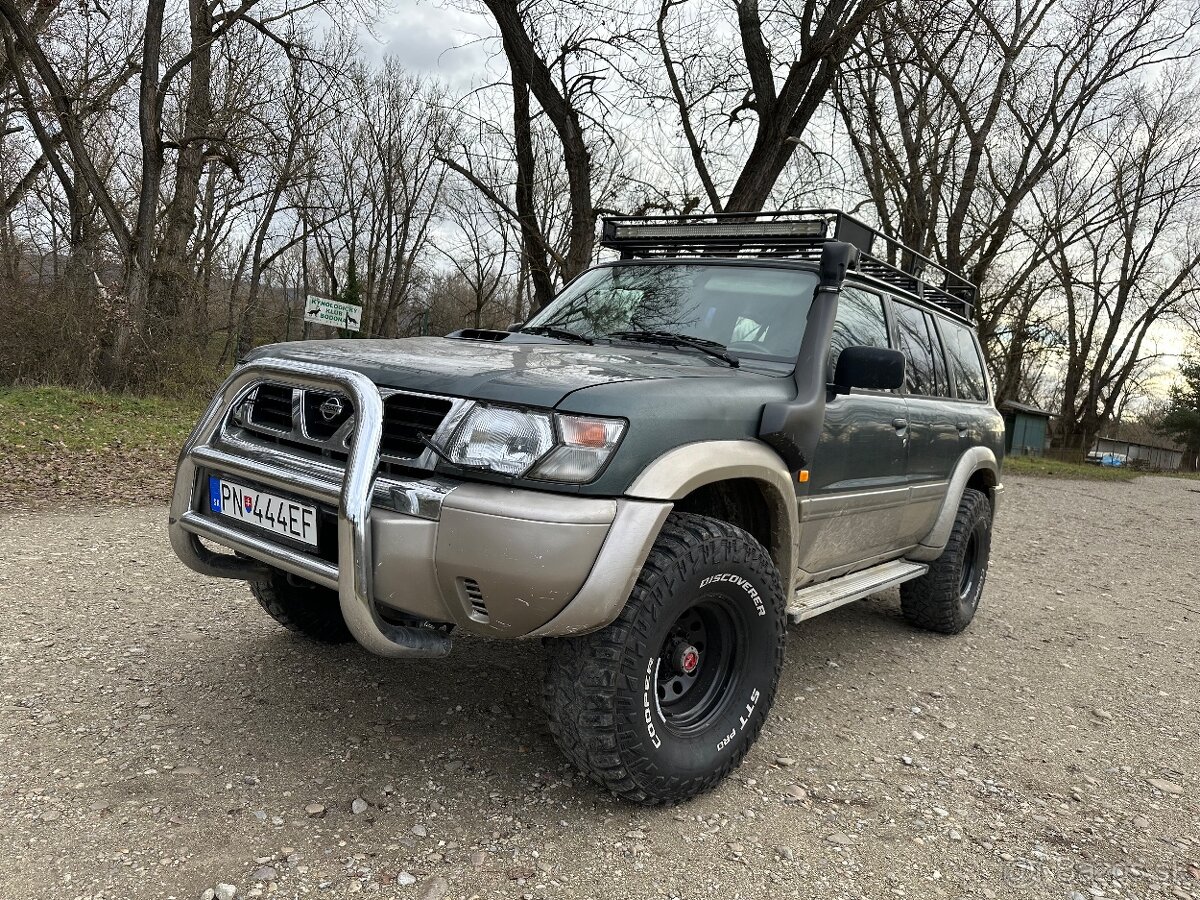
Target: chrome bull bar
352,577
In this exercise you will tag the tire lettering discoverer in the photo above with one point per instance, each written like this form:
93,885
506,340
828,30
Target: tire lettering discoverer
740,582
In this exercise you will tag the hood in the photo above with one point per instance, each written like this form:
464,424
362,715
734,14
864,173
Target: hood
533,372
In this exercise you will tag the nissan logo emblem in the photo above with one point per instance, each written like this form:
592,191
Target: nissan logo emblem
331,409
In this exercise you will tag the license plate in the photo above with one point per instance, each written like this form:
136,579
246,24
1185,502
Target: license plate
264,510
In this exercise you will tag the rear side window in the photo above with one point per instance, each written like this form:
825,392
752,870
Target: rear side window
912,331
939,359
860,323
966,368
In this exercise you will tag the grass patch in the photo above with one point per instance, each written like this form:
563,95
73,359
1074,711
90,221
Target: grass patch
1040,467
1192,476
32,418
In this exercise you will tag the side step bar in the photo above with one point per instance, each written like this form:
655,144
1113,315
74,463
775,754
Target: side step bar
820,598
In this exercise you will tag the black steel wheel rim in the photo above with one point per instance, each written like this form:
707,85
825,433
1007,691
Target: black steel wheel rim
970,568
690,701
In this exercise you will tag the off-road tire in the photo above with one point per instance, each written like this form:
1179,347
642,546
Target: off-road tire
302,607
601,690
946,597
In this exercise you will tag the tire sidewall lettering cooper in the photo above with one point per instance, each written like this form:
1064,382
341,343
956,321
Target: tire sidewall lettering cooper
649,689
742,712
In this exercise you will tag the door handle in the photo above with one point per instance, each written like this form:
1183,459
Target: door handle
899,423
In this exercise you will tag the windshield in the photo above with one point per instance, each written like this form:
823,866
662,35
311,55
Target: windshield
746,309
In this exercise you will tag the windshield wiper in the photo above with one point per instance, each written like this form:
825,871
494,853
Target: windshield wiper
561,334
671,339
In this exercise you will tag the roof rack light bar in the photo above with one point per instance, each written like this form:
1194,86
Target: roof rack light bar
703,231
795,234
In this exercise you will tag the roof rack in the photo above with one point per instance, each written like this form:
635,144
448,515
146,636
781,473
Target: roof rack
790,234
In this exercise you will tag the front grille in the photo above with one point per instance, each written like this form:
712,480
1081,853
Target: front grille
322,421
303,448
269,416
272,407
405,418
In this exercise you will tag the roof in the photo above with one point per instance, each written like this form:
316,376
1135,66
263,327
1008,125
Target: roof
792,234
1029,410
1166,448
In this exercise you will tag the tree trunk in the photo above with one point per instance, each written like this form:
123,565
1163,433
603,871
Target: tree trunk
530,68
141,239
533,255
772,148
172,278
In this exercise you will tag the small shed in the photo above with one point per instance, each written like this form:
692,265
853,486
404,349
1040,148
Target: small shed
1025,428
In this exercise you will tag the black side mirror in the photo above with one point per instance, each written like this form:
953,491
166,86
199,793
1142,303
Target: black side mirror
869,368
515,326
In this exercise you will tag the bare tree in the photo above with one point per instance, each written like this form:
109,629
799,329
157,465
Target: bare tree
481,251
173,179
1125,251
152,258
958,110
761,91
558,98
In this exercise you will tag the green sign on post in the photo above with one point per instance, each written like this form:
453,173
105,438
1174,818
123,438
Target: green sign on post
334,313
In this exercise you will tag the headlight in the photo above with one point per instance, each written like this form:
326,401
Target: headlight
517,443
502,440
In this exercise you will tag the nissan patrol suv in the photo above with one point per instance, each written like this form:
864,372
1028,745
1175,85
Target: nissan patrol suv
743,421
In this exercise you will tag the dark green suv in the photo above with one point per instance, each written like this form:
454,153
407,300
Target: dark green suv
745,420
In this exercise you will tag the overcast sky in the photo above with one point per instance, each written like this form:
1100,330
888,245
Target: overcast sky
432,39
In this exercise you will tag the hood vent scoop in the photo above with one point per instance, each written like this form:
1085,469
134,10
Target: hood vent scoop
480,334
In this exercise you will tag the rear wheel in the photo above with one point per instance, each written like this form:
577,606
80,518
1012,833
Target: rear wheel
946,597
302,607
666,701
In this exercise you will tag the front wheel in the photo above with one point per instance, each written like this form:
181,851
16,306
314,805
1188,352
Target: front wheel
301,606
666,701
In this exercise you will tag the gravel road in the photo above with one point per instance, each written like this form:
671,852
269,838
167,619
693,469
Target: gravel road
160,737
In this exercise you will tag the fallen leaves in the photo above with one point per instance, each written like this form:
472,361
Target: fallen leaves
55,476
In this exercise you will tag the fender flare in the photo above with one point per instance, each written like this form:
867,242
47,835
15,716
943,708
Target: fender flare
975,460
682,470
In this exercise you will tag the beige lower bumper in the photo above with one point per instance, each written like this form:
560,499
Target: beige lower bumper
503,562
496,561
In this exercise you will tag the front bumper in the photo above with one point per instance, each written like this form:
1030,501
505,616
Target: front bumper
494,561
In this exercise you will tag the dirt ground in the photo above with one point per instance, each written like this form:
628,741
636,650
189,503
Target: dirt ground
160,737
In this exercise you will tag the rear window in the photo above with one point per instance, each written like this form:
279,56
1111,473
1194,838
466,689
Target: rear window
966,366
912,331
939,359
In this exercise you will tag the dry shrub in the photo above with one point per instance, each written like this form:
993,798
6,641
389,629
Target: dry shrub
63,333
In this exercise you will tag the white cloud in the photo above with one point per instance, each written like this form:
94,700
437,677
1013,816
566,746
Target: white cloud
433,39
